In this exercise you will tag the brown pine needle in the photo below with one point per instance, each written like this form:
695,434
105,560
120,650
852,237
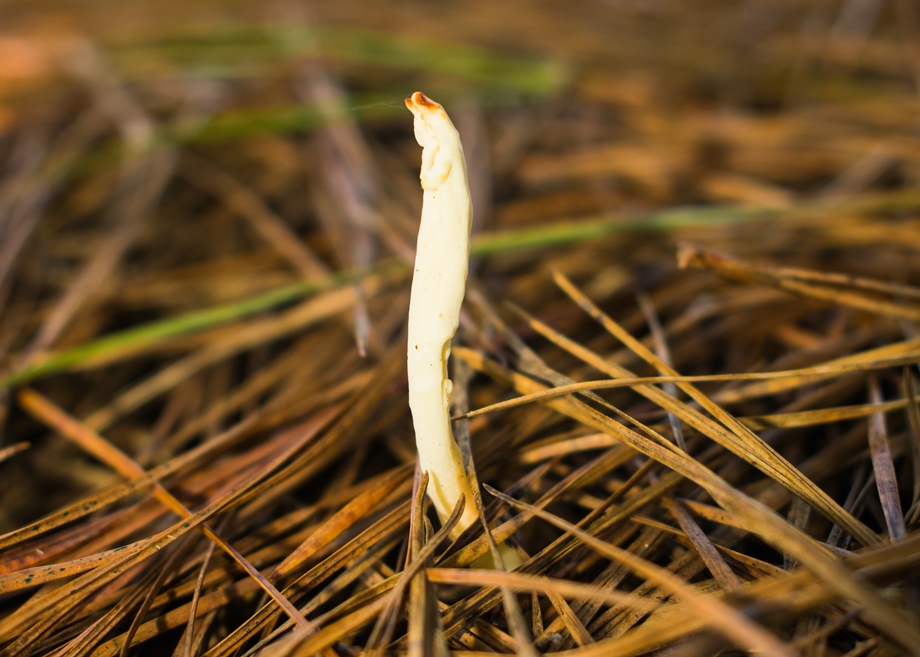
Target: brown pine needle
740,440
758,519
341,521
882,465
691,256
722,618
11,450
94,444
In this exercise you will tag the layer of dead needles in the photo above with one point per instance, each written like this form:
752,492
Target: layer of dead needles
686,372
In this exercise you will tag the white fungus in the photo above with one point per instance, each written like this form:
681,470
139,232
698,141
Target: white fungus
438,285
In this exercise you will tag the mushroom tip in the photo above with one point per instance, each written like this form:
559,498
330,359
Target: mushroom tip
419,101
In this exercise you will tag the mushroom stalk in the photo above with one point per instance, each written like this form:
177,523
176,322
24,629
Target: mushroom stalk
438,286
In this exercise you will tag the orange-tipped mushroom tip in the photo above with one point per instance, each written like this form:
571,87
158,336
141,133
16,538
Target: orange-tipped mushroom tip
418,100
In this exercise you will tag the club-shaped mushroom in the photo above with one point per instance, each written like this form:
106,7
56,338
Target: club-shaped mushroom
438,285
